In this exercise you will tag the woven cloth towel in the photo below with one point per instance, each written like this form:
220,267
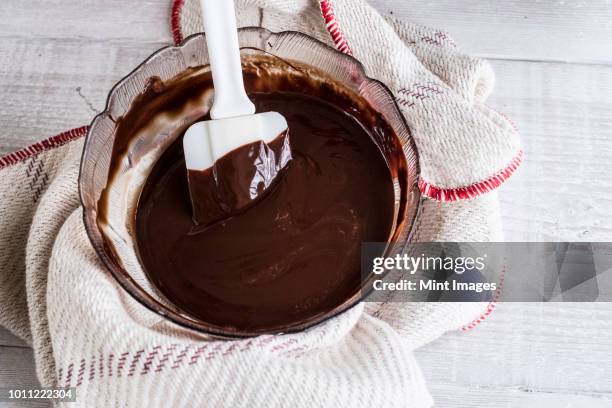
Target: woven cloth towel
87,333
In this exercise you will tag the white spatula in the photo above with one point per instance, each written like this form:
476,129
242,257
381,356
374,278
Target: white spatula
234,121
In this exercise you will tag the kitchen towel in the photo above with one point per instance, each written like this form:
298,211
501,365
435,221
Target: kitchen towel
89,334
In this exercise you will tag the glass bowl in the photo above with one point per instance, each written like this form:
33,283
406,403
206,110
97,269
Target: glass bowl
113,237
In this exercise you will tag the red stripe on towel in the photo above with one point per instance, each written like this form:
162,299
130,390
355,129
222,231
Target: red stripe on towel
332,26
43,145
474,190
175,21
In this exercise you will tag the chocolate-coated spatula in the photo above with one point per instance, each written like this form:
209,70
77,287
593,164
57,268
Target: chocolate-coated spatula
235,140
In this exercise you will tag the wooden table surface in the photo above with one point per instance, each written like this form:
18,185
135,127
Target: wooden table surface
553,59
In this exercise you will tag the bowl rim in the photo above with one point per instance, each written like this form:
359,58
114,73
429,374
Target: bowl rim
130,286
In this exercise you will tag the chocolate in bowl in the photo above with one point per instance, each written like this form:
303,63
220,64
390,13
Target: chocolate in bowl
140,139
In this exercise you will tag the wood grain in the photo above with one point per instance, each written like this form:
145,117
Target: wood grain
50,85
448,396
533,347
563,190
87,21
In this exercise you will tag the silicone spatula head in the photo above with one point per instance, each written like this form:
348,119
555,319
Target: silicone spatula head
236,140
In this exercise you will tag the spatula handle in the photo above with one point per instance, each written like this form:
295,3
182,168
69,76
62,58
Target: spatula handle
230,98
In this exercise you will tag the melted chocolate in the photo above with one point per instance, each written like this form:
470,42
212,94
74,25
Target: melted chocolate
290,256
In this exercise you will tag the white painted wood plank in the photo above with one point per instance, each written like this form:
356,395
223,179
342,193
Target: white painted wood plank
17,370
9,339
49,86
448,396
140,21
570,30
549,348
563,190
